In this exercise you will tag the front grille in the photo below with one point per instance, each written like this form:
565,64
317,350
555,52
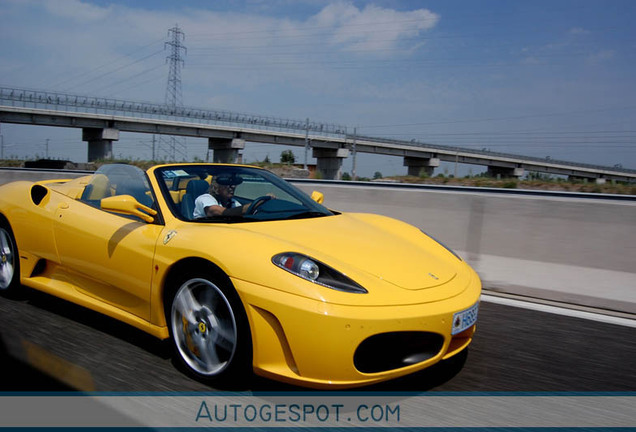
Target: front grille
387,351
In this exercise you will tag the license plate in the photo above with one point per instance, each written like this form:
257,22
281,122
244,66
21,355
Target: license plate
464,319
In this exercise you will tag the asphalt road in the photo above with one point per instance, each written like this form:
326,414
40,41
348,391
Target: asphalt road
514,350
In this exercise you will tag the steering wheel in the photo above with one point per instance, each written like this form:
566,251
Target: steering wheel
253,207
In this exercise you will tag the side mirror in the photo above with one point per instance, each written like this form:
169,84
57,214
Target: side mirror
128,205
317,196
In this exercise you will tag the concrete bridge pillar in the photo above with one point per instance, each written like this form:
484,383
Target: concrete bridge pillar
100,142
597,180
226,150
504,172
329,163
418,166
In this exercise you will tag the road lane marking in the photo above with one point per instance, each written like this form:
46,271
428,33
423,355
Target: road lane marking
524,304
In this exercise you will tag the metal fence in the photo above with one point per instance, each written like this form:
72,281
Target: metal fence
88,104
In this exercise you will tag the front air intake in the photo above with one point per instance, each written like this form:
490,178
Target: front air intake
387,351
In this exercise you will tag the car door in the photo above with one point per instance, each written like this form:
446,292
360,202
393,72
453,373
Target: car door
107,256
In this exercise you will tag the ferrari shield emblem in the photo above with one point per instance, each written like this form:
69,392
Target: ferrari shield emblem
169,236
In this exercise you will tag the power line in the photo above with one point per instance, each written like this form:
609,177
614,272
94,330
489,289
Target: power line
557,114
503,133
138,85
73,77
114,70
118,83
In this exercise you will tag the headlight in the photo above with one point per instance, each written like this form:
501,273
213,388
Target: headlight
317,272
444,246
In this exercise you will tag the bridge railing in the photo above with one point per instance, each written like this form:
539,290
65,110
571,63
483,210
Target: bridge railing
488,154
88,104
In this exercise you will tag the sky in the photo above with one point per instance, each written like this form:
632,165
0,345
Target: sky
539,78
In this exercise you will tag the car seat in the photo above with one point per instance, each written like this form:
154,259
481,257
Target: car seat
193,190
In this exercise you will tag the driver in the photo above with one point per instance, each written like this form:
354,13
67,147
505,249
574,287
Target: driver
220,200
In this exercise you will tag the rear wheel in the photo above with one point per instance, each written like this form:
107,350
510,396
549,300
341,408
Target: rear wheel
209,330
9,261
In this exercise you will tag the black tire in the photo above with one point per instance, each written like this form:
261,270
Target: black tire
9,261
209,330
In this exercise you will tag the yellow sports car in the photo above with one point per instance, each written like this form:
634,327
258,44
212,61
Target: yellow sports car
242,271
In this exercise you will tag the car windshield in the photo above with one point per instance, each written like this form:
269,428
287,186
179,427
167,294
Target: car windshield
260,194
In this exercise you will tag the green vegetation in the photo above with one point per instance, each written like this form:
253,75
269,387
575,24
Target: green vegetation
11,163
531,183
287,157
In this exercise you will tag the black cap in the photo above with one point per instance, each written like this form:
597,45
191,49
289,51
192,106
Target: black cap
228,179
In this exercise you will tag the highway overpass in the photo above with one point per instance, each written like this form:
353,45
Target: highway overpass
102,119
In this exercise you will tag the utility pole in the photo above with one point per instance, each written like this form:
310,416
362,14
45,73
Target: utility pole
306,142
174,95
456,161
353,169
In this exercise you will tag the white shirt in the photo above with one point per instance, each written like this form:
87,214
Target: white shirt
207,200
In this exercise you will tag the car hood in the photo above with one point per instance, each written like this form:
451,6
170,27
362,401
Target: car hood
390,250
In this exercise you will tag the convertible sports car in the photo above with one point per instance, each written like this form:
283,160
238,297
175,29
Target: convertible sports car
278,285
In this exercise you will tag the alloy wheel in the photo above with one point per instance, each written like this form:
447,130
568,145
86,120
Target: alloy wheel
204,327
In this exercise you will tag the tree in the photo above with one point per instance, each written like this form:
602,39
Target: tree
287,157
377,175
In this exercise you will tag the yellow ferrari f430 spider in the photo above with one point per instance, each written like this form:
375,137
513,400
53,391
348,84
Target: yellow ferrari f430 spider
242,272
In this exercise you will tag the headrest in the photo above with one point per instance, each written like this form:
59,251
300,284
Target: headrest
197,187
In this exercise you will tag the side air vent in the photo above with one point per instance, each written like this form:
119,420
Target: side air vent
40,267
38,193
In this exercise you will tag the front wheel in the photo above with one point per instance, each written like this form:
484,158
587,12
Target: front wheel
9,261
210,332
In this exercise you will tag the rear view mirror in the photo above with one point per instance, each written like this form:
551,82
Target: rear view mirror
128,205
317,196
